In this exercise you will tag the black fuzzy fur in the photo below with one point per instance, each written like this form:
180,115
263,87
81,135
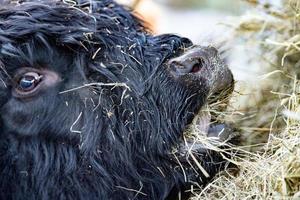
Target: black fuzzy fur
121,144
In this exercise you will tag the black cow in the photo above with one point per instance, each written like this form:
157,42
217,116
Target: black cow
92,106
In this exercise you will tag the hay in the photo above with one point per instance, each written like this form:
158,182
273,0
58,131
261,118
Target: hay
268,117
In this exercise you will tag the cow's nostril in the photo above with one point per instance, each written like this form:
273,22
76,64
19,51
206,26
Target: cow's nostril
197,66
187,65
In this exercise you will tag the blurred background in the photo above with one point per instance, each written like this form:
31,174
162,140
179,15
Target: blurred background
194,19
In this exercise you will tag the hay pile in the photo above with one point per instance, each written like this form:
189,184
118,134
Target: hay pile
268,117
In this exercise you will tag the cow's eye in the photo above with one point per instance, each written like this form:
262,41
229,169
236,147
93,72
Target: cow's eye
28,82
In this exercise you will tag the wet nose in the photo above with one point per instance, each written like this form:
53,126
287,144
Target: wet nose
193,60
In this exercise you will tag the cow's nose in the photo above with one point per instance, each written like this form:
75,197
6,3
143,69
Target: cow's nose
193,60
200,63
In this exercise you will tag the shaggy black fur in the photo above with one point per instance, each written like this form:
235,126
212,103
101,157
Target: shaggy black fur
106,128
